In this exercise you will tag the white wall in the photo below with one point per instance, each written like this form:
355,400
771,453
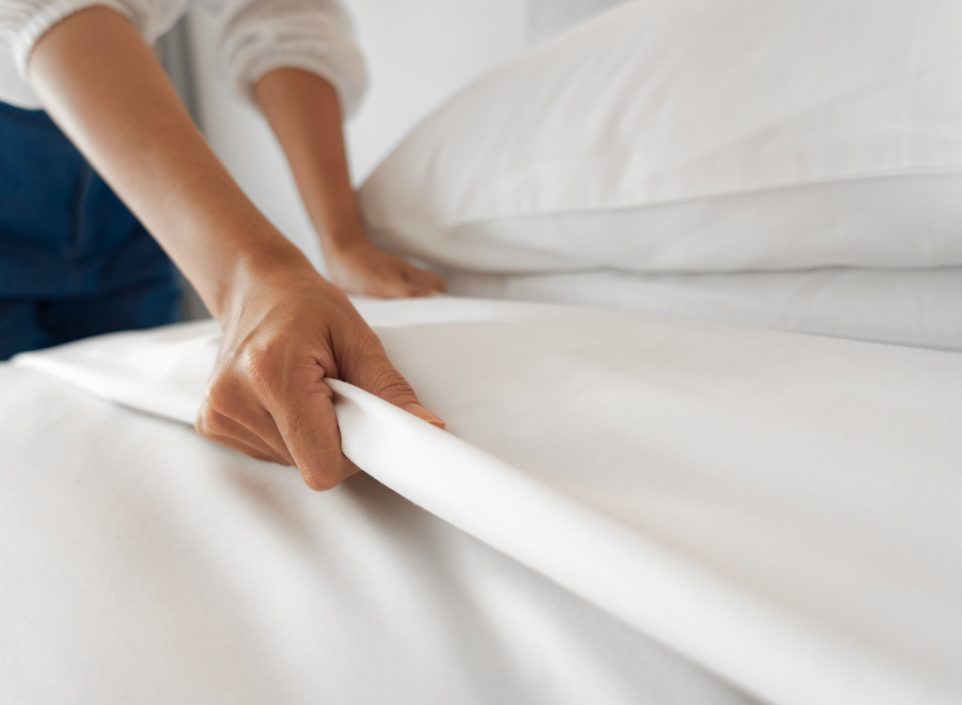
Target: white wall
418,51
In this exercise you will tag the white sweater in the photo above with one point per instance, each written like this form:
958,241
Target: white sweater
255,36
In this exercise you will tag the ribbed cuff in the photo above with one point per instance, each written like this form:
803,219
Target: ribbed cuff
330,55
43,17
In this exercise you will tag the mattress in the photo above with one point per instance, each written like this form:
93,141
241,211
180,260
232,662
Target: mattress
625,508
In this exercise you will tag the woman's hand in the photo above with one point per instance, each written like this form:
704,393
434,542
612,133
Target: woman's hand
362,268
285,328
305,113
284,332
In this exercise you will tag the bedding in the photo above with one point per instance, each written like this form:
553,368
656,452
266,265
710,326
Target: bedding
696,136
664,510
919,307
142,564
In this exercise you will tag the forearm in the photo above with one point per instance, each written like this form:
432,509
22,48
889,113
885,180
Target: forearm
285,328
305,115
102,84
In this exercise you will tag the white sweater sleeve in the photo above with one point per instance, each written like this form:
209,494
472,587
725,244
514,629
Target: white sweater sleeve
257,36
254,36
23,22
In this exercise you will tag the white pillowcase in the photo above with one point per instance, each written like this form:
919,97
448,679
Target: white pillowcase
697,135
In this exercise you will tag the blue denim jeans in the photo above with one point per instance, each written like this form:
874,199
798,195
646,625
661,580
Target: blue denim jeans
74,261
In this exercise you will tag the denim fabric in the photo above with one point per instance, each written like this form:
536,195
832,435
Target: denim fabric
68,244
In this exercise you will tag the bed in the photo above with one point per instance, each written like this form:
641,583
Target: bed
627,506
624,508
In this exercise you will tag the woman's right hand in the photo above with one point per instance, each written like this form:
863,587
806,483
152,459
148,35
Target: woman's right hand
285,328
284,332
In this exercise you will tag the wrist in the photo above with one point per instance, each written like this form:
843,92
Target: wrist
258,270
344,243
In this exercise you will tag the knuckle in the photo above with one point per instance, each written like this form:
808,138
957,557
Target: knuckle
250,370
257,364
215,424
220,396
366,340
209,423
389,381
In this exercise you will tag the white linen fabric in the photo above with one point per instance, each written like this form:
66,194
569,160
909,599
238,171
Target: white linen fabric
920,307
546,18
779,509
696,136
142,564
255,36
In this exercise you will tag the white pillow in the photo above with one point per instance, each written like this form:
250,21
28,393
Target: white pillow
697,135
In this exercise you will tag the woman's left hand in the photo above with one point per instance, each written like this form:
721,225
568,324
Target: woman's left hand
304,111
361,268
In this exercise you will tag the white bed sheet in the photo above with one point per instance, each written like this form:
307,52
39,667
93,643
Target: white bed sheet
141,564
919,307
779,510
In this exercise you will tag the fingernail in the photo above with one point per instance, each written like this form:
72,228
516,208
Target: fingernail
423,413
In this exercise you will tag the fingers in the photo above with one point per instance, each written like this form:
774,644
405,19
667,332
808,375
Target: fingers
420,282
395,287
429,281
406,280
364,269
241,446
293,422
368,367
217,427
278,408
257,429
233,409
309,427
268,397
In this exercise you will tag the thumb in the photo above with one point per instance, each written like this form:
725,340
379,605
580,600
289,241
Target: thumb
374,373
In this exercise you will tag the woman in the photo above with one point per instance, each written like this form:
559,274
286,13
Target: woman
74,261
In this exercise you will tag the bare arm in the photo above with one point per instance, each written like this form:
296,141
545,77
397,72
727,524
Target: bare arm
305,114
104,87
285,327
